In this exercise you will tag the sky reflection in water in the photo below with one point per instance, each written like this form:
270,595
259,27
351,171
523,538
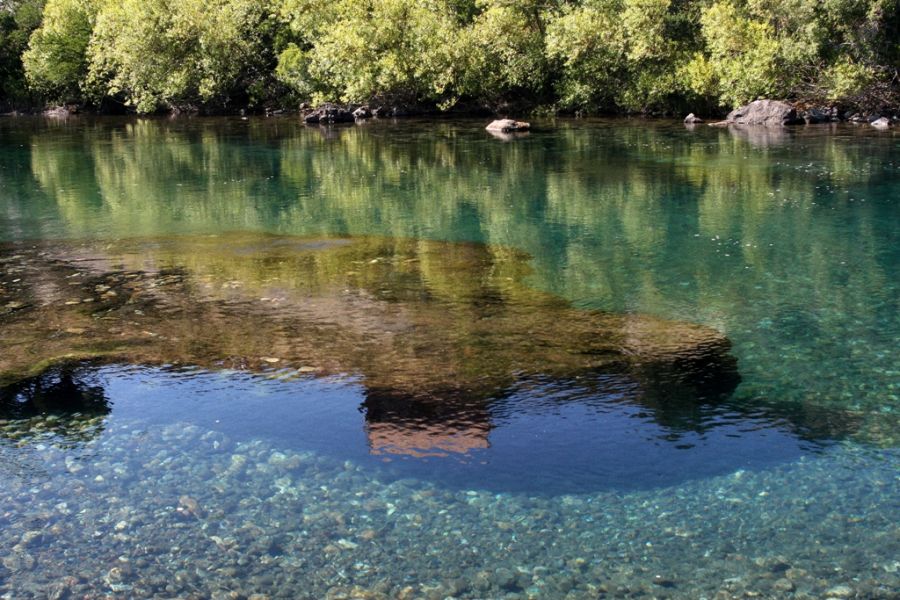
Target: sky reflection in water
546,437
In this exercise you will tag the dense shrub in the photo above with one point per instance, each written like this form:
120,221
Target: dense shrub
56,59
18,19
588,55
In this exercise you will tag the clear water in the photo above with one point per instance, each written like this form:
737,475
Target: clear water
411,360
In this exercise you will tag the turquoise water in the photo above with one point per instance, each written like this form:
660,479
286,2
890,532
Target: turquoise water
311,456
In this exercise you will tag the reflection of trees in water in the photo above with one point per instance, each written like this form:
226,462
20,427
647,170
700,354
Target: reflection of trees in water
592,205
61,389
60,405
442,335
679,396
600,185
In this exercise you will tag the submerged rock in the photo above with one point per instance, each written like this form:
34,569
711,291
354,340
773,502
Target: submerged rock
783,585
839,591
189,506
881,123
434,329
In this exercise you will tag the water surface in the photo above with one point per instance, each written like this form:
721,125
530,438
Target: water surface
412,360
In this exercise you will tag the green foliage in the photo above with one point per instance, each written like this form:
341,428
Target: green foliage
154,53
398,50
816,50
742,55
618,54
293,71
845,79
389,48
56,60
634,55
18,19
590,47
504,49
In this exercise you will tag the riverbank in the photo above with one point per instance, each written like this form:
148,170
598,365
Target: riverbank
774,113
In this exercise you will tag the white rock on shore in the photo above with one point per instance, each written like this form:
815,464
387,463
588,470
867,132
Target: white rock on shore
508,126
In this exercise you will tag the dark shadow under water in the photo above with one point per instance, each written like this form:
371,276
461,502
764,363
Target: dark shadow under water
542,436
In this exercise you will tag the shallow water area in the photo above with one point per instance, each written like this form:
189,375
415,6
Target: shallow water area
410,360
141,509
540,442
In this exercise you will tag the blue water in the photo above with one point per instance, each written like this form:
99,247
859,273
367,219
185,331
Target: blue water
546,439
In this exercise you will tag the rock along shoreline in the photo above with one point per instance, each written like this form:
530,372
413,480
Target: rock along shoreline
766,112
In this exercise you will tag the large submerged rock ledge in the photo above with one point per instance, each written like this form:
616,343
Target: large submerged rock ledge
428,320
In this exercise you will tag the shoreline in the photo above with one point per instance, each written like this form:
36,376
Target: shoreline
540,124
792,113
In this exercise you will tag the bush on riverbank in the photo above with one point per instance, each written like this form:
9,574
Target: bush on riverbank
588,55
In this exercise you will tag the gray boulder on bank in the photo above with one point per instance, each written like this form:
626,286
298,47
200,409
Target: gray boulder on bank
691,119
882,123
508,126
763,112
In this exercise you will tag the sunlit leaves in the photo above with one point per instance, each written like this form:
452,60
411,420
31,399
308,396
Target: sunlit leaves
56,60
157,54
636,55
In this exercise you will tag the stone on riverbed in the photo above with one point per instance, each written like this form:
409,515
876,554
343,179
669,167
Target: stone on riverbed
839,591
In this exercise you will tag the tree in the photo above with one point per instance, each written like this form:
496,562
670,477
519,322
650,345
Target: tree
56,60
503,50
18,19
574,55
157,54
831,51
394,50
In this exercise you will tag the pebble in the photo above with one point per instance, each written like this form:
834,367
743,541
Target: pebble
324,531
839,591
783,585
31,537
